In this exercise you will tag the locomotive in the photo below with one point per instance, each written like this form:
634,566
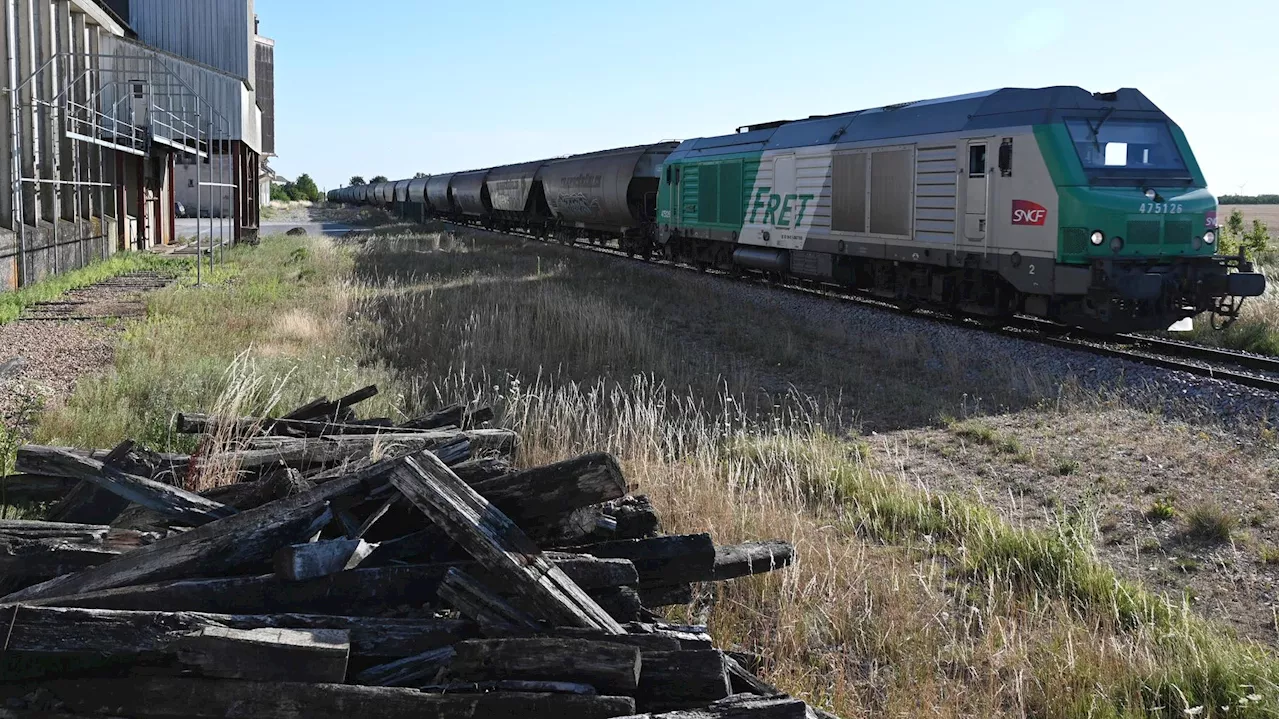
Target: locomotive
1087,209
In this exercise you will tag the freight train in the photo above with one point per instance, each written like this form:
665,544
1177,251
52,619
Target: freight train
1088,209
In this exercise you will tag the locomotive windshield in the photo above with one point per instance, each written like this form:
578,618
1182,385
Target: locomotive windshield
1105,144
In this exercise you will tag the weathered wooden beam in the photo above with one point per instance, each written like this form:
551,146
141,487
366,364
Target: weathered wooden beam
555,489
24,488
109,632
663,561
665,596
211,549
409,671
195,642
265,654
481,604
87,502
634,517
200,423
622,603
300,562
330,449
509,685
455,415
173,502
739,560
610,667
497,543
160,697
643,642
681,680
737,707
361,591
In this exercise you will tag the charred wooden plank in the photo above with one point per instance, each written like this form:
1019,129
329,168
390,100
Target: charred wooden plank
509,685
362,592
555,489
663,561
299,562
738,707
265,654
739,560
173,502
72,630
409,671
23,488
666,596
484,531
681,680
644,642
331,449
200,423
634,518
159,697
622,603
80,637
481,604
214,548
87,502
610,667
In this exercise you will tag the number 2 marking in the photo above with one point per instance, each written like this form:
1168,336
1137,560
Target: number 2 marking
1031,269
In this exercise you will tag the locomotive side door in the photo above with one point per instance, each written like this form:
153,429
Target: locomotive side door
976,193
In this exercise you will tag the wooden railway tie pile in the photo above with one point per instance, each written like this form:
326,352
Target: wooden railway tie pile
357,569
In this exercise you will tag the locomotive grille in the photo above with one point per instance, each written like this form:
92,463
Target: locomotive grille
1075,240
1143,232
1177,232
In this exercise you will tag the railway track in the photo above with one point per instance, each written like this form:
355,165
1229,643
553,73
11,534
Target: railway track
1240,368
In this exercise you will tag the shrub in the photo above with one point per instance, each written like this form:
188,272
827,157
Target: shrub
1161,511
1209,522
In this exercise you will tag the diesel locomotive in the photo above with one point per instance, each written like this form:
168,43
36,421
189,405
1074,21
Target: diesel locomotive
1088,209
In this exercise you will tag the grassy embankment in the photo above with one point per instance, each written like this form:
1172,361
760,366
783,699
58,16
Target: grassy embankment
903,602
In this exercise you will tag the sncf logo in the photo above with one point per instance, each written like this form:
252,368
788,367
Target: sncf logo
1026,212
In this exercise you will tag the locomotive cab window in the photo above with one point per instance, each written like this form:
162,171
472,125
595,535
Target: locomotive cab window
977,160
668,174
1006,157
1125,144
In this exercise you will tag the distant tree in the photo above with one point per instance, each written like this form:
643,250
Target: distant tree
420,175
306,189
278,193
1235,224
355,181
1248,199
378,178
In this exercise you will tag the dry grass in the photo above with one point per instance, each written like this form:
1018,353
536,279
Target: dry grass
948,611
903,602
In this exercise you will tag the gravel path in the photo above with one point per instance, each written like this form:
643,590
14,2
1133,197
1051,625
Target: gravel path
62,340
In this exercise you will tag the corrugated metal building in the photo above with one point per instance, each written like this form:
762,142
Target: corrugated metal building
217,33
104,129
265,86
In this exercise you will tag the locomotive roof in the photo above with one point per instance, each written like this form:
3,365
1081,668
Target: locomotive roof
1007,107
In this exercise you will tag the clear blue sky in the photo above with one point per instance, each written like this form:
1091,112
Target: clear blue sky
395,87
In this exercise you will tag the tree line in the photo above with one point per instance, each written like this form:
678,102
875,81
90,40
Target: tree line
1249,199
303,188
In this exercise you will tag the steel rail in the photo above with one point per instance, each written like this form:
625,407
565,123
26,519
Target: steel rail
1161,352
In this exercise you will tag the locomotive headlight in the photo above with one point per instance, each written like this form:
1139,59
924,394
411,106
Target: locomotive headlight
1209,237
1097,238
1151,194
1117,244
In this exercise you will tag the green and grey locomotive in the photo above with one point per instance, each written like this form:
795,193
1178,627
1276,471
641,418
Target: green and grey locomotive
1085,208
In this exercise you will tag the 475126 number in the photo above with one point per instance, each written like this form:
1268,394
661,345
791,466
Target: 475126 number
1160,208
